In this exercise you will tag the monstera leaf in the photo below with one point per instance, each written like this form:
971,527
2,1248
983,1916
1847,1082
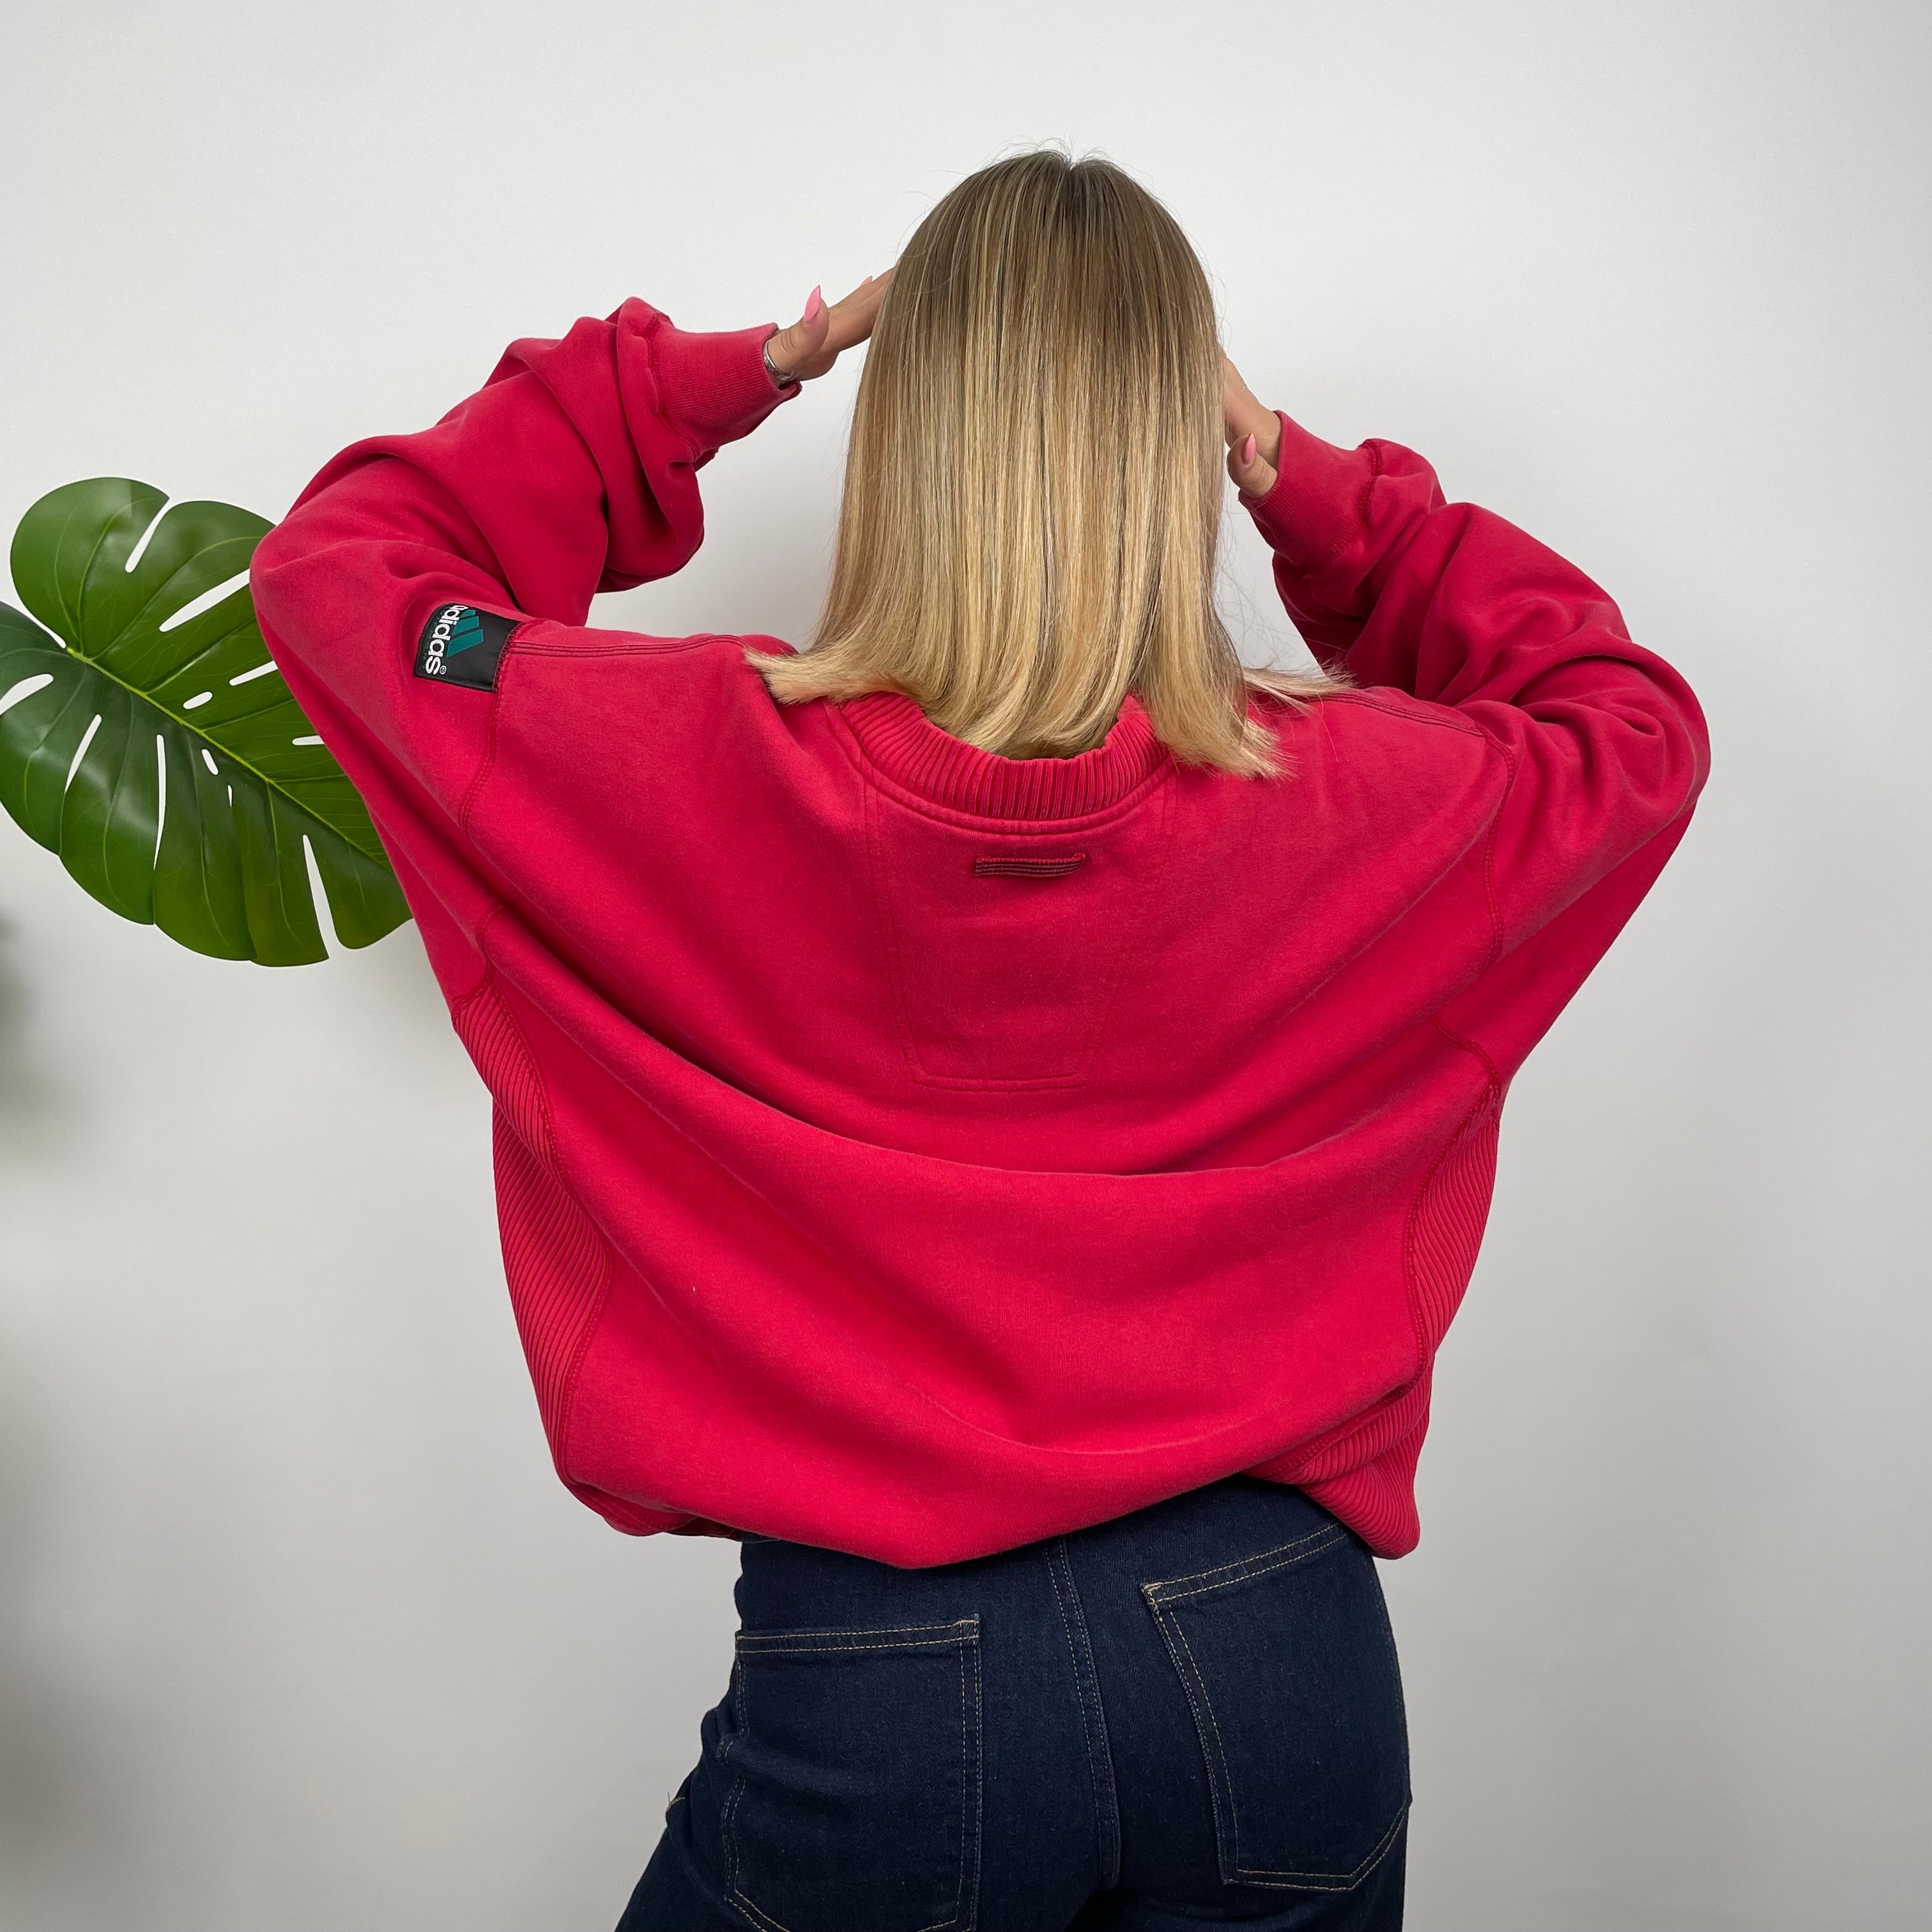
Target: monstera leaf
152,744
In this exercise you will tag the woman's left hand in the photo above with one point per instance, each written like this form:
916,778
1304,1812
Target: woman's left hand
1253,434
813,342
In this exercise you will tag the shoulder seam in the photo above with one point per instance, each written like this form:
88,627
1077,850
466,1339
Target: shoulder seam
1493,831
1367,696
638,644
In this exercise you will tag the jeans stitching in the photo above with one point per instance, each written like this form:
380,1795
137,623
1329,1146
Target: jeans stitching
1326,1881
1184,1668
965,1913
845,1649
961,1918
744,1637
1100,1762
1220,1782
1232,1867
966,1630
1298,1551
737,1792
1072,1653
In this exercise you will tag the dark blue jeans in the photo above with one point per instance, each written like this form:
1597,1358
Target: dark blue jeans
1191,1714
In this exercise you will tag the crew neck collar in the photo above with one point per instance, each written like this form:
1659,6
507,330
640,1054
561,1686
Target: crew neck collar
899,739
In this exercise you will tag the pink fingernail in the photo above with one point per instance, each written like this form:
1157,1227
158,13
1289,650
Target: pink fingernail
812,307
1248,451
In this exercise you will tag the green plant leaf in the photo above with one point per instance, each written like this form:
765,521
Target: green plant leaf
164,758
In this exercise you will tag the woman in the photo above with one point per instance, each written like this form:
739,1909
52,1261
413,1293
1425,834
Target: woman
995,1111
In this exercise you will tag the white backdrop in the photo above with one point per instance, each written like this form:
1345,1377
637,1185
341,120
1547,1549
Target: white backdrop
297,1629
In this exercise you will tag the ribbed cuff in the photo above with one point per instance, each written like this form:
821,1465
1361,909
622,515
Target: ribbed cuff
1319,500
713,384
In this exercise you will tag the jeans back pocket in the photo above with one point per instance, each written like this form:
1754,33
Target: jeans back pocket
1289,1666
854,1756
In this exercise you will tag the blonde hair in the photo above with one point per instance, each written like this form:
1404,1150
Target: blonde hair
1034,485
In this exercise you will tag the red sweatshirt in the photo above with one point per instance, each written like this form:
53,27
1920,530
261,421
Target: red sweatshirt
917,1152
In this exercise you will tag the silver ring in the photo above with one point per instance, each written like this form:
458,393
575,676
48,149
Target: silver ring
783,382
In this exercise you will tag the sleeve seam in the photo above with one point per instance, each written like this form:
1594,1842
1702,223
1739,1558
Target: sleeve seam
488,761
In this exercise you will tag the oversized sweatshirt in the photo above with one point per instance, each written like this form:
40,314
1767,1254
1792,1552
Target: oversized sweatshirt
917,1152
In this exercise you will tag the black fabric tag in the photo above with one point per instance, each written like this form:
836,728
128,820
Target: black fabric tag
461,645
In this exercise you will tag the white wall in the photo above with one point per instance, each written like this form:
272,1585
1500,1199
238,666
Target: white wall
298,1631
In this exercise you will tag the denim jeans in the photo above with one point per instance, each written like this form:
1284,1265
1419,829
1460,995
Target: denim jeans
1191,1714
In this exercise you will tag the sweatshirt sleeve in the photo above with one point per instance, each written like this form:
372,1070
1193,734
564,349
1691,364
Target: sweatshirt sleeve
1603,745
387,594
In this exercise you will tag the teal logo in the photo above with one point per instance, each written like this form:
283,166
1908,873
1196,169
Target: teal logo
467,630
460,644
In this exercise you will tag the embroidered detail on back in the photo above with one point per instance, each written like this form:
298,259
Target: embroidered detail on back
999,984
989,866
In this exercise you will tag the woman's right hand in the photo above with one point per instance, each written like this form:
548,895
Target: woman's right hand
812,343
1253,432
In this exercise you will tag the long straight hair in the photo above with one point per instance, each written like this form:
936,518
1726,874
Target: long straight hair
1034,486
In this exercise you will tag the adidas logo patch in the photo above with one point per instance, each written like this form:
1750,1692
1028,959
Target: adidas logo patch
460,644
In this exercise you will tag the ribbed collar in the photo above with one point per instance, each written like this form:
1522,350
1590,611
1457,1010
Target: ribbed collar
905,744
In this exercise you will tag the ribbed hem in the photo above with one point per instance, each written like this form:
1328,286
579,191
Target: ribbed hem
1317,501
908,748
713,384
